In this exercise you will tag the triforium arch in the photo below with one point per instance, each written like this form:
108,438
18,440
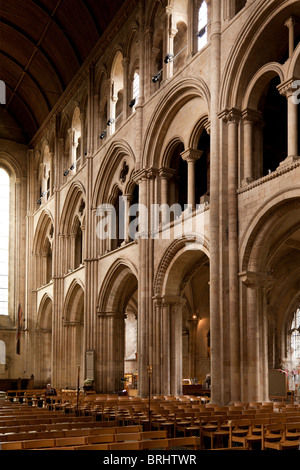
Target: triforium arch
114,192
73,334
181,315
43,248
43,341
258,83
269,284
118,288
173,103
72,229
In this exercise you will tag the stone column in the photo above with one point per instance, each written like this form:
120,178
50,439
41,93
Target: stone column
143,293
233,120
192,29
215,210
126,87
164,175
286,89
83,149
111,351
192,346
250,117
256,335
168,43
149,69
111,108
290,24
253,333
191,156
266,285
126,205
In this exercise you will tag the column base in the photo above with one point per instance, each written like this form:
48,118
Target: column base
289,160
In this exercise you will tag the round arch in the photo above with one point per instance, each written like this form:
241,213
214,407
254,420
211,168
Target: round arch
112,295
179,94
118,152
189,245
258,29
44,316
74,303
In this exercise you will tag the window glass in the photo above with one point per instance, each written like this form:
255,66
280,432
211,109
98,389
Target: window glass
202,26
4,238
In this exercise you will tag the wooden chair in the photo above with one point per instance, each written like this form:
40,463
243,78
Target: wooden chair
274,438
213,431
16,445
102,438
186,442
133,445
148,444
123,429
70,441
127,436
292,430
240,430
93,447
146,435
38,443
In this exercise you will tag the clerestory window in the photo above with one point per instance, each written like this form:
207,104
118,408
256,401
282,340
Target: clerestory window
202,26
4,241
295,336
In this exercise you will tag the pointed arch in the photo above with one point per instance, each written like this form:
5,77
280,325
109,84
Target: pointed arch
44,316
43,230
73,310
117,151
181,93
112,295
75,197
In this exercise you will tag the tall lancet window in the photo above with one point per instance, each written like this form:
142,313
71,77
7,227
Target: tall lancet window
202,26
295,336
4,238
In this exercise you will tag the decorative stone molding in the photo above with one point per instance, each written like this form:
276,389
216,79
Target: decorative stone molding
167,258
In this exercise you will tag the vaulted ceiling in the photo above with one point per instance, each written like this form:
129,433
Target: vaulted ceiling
43,44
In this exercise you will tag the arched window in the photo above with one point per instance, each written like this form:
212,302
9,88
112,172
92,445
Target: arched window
295,336
2,353
202,26
135,90
4,241
78,247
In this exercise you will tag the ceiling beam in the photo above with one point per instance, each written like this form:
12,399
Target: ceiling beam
34,81
56,21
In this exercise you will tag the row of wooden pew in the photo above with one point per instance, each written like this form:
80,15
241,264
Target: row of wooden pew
114,440
242,426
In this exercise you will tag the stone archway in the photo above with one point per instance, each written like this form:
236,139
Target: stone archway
181,316
43,342
270,280
73,331
117,295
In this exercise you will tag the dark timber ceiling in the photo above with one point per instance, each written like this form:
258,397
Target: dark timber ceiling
43,43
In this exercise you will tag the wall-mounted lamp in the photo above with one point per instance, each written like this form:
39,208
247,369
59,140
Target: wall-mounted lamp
156,77
110,121
72,167
169,57
202,31
39,201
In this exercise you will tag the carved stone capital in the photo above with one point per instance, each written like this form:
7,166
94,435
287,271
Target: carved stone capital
191,155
